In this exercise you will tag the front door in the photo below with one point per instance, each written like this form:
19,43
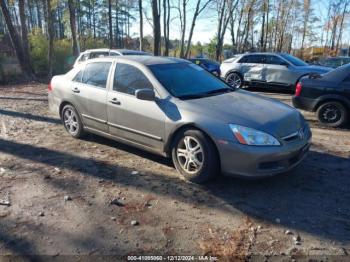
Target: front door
279,72
89,94
253,70
138,121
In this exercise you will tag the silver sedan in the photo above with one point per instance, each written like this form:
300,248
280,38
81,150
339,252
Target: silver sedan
175,108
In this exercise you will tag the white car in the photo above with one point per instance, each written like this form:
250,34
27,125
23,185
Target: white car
96,53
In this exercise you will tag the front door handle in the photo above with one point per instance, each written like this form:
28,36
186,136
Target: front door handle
114,101
76,90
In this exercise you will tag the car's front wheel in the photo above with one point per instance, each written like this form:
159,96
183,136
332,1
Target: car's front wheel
72,122
195,156
235,80
332,114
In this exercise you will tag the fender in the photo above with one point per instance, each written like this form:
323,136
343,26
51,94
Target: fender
234,71
330,97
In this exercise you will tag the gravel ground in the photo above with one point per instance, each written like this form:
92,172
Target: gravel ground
63,197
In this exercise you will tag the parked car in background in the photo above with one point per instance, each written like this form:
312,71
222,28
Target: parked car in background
209,65
96,53
327,95
267,70
175,108
334,62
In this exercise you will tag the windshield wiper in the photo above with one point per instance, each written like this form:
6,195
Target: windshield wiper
221,90
191,96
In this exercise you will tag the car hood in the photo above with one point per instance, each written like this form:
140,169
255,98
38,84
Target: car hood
315,69
249,110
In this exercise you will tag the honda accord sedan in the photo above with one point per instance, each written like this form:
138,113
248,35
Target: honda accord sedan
175,108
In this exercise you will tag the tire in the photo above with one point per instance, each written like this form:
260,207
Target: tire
332,114
72,122
234,79
197,167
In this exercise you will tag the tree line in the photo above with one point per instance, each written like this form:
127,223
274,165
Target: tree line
250,25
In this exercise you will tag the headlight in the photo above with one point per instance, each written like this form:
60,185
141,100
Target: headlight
250,136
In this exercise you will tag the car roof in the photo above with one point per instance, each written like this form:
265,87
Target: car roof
262,53
109,50
145,60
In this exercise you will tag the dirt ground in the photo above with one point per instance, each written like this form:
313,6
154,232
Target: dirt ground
67,198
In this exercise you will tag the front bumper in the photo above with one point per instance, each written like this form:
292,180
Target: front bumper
257,161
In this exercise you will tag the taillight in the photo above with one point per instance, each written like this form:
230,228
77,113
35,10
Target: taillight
298,88
49,87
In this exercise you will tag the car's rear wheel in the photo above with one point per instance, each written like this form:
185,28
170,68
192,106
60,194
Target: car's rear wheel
235,80
72,122
332,114
195,156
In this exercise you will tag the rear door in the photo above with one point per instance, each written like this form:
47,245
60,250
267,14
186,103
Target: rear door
252,68
138,121
278,72
89,94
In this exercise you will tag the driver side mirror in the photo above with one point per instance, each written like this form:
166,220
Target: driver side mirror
145,94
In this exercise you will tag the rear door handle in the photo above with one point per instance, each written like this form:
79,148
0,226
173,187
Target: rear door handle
114,101
76,90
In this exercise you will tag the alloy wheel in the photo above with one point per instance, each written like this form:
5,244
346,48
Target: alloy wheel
71,121
234,80
190,154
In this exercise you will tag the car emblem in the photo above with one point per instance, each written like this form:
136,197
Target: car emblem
301,134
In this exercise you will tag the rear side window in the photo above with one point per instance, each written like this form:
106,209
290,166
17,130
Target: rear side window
128,78
84,57
96,74
98,54
114,54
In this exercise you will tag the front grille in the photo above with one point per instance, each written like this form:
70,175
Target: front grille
301,134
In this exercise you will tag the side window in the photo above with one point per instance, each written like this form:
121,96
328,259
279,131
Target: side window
128,78
98,54
78,77
96,74
255,59
114,54
84,57
243,59
274,60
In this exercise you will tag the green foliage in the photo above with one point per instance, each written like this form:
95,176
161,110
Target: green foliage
62,57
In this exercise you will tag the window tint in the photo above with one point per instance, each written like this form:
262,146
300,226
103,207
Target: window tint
98,54
114,54
96,74
127,79
274,60
78,77
84,57
255,59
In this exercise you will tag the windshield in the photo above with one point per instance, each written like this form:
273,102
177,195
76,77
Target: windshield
187,80
294,60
